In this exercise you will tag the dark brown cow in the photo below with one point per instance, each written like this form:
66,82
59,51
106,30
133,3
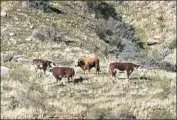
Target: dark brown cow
42,64
87,63
129,67
60,72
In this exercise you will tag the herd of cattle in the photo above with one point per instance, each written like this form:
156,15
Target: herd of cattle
85,63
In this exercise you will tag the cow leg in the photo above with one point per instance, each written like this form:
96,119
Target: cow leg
68,79
128,74
72,79
59,79
114,76
97,69
44,71
36,69
88,68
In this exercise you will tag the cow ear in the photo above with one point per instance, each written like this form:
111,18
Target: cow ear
81,62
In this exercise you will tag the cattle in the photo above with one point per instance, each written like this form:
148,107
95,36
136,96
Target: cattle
129,67
87,63
63,72
42,64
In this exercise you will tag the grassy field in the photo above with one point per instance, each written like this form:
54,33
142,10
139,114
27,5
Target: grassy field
149,94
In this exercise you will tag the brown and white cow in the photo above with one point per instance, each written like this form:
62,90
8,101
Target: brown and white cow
129,67
87,63
42,64
63,72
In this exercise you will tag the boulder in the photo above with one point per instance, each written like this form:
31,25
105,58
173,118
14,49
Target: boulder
3,14
152,42
8,58
4,71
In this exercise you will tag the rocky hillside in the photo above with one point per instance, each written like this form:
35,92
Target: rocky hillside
63,31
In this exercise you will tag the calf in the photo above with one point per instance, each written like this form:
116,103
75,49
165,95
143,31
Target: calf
60,72
129,67
42,64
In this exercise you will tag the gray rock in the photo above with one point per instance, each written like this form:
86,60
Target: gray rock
172,4
8,58
19,58
3,14
152,42
11,34
4,71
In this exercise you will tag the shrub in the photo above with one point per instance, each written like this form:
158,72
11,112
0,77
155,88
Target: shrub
102,10
161,114
118,34
48,33
172,45
38,4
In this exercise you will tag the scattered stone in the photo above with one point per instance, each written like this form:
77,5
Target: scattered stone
3,14
15,58
172,4
18,58
152,42
31,26
8,58
28,38
4,71
11,34
126,116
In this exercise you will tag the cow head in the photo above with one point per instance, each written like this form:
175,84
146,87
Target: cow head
137,66
51,65
80,63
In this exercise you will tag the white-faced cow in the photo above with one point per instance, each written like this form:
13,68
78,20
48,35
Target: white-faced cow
129,67
42,64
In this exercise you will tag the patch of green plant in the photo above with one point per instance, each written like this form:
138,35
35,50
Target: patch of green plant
161,95
21,74
97,112
161,114
172,45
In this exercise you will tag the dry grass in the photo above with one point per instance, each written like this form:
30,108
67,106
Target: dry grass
95,95
26,95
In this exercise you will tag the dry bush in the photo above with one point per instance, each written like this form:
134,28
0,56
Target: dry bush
120,36
49,33
43,5
161,114
155,60
172,45
102,10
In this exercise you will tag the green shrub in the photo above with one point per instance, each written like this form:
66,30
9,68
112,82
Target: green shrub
48,33
172,45
38,4
161,114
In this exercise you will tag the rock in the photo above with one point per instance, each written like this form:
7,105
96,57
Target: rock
126,116
31,26
8,58
3,14
11,34
152,42
172,4
18,10
4,71
18,58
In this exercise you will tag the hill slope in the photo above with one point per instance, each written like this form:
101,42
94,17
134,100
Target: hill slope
85,31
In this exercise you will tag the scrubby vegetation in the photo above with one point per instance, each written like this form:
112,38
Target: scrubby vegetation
63,31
